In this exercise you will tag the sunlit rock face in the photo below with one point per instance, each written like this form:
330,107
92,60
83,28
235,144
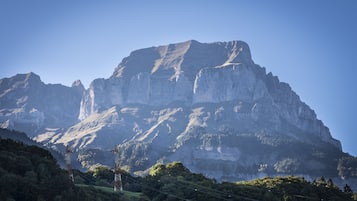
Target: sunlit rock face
165,74
193,73
207,105
101,95
227,83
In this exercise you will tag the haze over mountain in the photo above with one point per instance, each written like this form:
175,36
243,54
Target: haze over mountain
207,105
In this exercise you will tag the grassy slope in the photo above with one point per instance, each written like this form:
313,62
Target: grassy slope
124,195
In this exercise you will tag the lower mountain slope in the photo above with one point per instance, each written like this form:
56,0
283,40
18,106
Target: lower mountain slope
31,173
221,141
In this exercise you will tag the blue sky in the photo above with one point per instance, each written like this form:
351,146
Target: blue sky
312,45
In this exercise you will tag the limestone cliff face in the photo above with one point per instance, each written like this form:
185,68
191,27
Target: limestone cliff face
194,73
226,83
161,75
101,95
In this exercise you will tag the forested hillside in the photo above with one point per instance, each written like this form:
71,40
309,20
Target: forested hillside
175,181
31,173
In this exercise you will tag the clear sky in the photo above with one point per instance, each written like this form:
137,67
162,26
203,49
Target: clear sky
312,45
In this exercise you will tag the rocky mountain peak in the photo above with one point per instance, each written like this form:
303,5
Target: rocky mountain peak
29,105
26,79
31,75
19,81
194,73
78,86
77,83
187,57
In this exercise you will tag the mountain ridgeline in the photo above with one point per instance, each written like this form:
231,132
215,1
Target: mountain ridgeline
207,105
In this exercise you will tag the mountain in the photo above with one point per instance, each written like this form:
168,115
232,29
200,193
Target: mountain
29,105
207,105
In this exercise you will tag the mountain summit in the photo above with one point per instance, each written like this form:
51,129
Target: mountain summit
207,105
193,73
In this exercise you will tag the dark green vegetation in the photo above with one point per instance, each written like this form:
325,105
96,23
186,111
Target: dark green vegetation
175,182
31,173
22,137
